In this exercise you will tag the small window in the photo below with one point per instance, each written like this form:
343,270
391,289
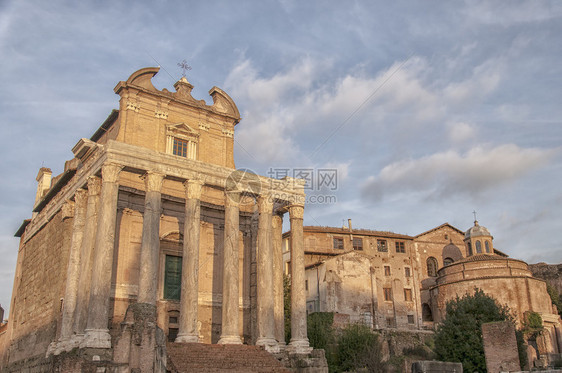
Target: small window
357,243
180,147
172,277
487,244
387,270
338,243
469,249
431,266
446,236
173,319
407,272
408,295
381,245
390,322
410,319
448,261
387,294
400,247
306,285
478,247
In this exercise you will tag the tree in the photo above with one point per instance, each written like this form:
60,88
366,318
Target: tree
555,297
459,336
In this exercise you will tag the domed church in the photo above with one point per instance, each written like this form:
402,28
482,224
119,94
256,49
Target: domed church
507,280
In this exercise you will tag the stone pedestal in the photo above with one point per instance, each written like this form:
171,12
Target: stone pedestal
230,284
188,332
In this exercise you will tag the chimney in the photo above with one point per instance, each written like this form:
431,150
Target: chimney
350,229
43,183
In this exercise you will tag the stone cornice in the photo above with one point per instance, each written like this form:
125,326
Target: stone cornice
138,159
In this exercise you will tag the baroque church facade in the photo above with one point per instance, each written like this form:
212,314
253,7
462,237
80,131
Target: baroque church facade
151,218
150,234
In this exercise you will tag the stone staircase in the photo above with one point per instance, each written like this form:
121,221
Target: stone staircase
198,357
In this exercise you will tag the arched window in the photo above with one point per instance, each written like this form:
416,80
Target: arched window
487,244
469,249
478,247
447,261
431,266
426,313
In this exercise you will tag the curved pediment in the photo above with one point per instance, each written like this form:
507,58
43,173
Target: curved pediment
223,103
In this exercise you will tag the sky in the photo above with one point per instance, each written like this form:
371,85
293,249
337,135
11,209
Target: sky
402,115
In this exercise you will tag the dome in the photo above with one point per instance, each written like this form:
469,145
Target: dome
477,231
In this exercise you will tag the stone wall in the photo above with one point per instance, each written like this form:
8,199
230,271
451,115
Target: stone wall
500,347
37,305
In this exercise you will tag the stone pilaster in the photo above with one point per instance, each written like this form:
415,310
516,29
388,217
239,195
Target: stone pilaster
73,269
97,332
266,321
86,257
189,302
230,284
299,341
150,246
278,309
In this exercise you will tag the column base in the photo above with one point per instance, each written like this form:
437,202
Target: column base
186,338
270,344
299,346
230,340
96,338
51,349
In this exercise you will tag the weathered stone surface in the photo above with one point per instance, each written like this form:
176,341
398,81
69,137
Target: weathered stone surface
436,367
500,347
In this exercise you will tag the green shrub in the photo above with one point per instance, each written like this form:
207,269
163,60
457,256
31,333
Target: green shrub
358,349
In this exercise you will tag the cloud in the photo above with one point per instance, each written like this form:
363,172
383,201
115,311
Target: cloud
450,173
461,132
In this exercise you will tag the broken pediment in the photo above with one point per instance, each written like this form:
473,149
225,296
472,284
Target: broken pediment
181,130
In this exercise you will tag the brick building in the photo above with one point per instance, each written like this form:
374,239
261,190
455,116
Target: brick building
393,281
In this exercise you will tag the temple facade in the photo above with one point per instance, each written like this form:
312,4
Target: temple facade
151,220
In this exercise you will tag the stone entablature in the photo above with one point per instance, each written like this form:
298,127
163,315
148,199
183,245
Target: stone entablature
482,266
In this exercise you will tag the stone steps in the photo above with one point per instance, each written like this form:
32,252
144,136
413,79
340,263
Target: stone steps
199,357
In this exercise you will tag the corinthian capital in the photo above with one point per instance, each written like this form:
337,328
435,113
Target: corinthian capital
296,211
193,188
153,181
110,172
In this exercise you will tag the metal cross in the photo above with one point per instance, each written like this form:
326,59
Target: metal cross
184,66
474,212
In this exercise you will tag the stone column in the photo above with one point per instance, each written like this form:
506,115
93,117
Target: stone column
266,320
278,299
299,341
150,246
189,302
230,282
97,332
73,269
86,256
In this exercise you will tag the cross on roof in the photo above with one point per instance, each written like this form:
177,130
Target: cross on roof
184,66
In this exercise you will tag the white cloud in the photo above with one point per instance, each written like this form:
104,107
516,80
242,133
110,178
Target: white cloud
450,173
460,132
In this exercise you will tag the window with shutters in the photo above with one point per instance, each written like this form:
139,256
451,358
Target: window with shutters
172,277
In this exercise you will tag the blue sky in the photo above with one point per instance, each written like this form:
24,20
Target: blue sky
428,110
